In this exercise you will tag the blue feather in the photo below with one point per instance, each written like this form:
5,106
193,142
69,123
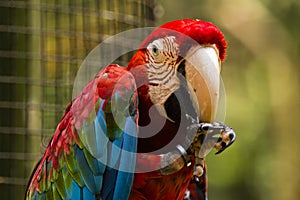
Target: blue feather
100,150
111,173
75,190
127,161
115,150
87,194
101,129
86,172
109,178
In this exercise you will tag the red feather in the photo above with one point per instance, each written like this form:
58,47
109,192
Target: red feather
201,31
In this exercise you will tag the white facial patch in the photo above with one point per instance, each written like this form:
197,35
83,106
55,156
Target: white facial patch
162,55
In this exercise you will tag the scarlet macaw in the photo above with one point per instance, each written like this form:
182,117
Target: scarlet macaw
106,145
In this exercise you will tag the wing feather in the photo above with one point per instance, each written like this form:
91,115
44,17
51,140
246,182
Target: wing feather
125,174
86,156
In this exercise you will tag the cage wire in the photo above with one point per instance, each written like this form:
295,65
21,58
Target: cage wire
42,46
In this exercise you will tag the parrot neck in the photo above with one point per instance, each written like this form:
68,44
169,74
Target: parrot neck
149,117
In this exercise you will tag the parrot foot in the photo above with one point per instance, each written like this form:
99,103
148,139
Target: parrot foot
227,136
215,129
215,134
208,135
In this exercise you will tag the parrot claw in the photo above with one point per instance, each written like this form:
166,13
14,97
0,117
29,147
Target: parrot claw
209,131
227,137
215,129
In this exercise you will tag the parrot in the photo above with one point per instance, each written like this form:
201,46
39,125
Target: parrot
141,131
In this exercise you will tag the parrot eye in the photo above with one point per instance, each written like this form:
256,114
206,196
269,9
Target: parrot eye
154,50
162,50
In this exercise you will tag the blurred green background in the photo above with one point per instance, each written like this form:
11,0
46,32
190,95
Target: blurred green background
43,43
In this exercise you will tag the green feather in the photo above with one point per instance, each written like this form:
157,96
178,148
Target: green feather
42,196
113,130
61,161
48,178
60,186
67,180
78,179
85,170
89,133
80,144
96,167
56,195
49,194
42,181
69,158
72,166
55,174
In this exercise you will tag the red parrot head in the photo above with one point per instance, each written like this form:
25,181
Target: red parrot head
183,51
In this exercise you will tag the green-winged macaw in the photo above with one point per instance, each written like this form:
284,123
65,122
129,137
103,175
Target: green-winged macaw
136,132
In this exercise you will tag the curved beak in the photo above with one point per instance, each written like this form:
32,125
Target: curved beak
203,68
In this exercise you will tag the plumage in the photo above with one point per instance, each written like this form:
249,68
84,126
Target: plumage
103,143
77,156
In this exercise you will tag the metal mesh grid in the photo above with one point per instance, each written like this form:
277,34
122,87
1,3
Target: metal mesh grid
41,48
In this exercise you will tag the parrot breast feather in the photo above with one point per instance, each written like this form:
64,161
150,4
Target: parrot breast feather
88,153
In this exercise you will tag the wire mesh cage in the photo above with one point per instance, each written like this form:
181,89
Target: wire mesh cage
42,46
